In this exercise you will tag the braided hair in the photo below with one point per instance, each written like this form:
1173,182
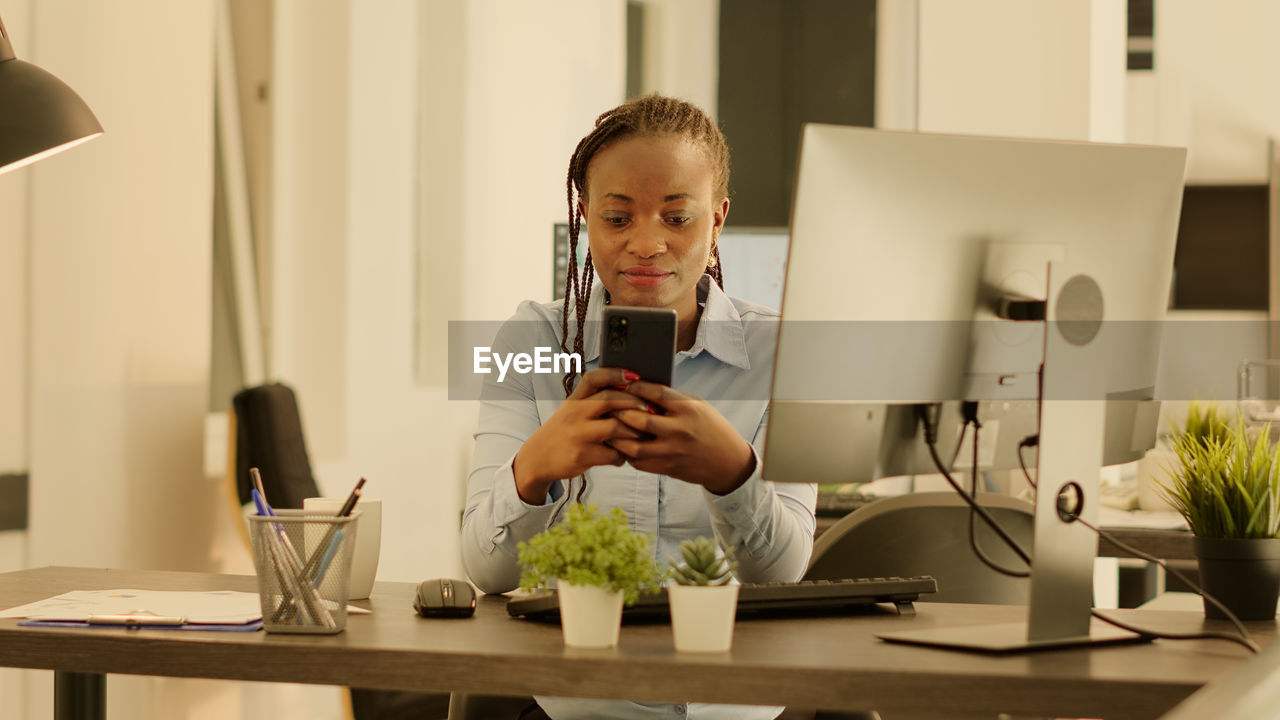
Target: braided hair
644,116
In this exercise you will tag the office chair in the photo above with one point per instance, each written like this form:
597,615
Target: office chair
268,436
927,534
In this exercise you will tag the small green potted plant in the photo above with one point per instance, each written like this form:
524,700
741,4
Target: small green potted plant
1227,486
703,601
596,563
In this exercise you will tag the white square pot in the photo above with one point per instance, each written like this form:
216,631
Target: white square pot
590,616
702,616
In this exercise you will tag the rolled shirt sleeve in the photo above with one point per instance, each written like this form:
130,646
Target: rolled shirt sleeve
767,527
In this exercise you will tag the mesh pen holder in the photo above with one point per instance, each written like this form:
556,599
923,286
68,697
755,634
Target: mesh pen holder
303,561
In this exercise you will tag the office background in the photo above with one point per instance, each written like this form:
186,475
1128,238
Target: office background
414,171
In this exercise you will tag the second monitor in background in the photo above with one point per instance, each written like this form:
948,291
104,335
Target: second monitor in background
754,262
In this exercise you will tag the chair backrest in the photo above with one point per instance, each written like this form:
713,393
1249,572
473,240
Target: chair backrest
269,437
928,534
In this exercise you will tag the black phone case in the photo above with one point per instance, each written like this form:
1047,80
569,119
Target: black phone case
650,345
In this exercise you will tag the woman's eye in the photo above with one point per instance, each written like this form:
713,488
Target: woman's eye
679,219
616,220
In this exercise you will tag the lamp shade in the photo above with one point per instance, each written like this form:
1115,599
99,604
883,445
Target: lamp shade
39,114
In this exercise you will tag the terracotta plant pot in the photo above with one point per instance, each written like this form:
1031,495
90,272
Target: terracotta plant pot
1243,574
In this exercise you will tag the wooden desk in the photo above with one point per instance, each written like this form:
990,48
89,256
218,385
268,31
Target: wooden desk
833,663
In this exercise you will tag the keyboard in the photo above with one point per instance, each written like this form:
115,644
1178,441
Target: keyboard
837,505
807,597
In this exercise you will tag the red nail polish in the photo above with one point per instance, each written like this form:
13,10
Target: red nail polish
630,375
650,409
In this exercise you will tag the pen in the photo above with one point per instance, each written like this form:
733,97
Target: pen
351,499
296,582
263,508
313,563
294,578
133,620
256,476
329,552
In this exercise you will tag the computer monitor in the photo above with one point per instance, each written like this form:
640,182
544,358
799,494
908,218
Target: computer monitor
1030,277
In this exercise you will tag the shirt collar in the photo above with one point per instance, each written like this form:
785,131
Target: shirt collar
720,330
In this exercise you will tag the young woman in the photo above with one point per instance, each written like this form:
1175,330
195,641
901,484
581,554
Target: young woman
651,183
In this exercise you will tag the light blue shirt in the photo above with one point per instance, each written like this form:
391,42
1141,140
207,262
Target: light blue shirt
767,528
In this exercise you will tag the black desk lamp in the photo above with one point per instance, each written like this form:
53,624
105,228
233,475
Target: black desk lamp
39,114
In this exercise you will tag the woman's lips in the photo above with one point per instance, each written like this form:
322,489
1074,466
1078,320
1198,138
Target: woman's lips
645,275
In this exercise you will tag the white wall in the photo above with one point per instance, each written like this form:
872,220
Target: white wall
897,63
111,310
119,274
1213,86
13,339
1047,69
347,243
309,213
682,50
13,279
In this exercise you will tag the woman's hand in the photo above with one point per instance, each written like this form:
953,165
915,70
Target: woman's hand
578,436
691,442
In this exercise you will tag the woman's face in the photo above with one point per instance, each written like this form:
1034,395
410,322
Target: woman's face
651,217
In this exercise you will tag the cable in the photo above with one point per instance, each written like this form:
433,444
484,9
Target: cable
973,539
931,440
959,444
1029,441
1243,636
1243,641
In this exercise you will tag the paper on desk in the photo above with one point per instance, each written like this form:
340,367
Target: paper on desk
1141,519
214,607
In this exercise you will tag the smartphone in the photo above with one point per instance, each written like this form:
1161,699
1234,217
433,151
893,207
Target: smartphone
639,339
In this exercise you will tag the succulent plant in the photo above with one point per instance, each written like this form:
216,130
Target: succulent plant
701,564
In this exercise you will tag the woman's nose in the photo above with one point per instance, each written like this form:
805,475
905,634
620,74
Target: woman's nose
646,243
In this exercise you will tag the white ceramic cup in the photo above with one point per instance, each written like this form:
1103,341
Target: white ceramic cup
364,563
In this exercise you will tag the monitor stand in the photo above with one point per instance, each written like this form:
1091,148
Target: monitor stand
1009,637
1062,571
1072,416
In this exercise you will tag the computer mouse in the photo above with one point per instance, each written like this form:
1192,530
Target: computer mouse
445,598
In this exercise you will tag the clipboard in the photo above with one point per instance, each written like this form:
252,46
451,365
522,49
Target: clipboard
142,624
219,610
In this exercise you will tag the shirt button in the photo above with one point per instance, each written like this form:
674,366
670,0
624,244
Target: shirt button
734,507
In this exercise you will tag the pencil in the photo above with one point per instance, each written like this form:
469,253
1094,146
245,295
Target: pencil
313,563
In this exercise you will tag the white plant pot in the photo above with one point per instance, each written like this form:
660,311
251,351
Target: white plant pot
590,616
702,616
